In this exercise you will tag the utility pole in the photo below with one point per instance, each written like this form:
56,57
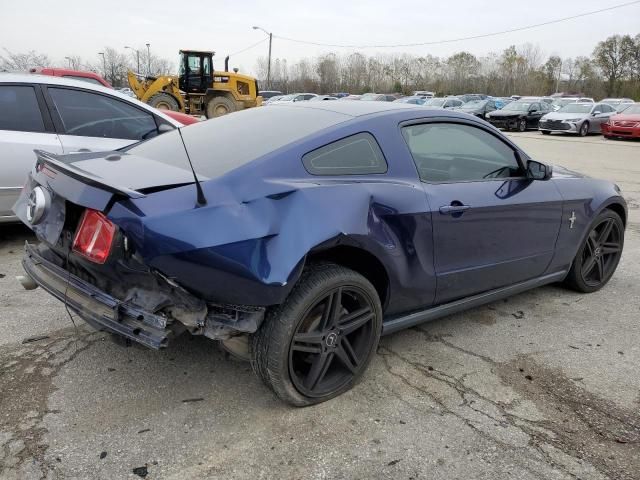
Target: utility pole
104,64
558,79
137,57
148,59
69,60
269,58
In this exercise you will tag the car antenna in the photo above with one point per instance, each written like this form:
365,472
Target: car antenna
201,198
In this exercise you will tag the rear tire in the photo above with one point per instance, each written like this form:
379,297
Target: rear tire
164,101
219,106
318,344
545,132
599,254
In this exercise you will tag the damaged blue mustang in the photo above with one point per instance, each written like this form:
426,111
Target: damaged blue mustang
311,230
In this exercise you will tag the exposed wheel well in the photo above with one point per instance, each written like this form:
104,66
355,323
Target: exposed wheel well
619,209
363,262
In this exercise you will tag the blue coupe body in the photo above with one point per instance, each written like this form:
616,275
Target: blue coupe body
432,233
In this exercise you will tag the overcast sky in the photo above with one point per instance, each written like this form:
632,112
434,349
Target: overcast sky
84,27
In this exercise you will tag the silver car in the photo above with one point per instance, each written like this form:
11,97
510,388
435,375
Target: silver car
62,115
578,118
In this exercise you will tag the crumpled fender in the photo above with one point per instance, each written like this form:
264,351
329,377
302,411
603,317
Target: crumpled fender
248,245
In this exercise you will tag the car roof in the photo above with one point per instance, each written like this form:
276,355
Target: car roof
352,109
70,82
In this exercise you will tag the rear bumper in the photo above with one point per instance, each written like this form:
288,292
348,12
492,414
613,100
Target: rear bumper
96,307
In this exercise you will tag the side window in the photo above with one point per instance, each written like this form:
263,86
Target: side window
358,154
450,152
90,114
19,109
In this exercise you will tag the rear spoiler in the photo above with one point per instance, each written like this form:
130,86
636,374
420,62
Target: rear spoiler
46,158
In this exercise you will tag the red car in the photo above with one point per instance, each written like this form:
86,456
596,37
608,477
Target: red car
90,77
624,125
93,77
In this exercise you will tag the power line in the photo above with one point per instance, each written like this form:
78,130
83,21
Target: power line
460,39
255,45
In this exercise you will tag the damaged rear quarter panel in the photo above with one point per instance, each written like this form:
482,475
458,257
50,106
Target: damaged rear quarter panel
248,245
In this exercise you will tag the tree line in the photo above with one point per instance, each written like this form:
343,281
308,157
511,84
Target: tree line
613,69
112,64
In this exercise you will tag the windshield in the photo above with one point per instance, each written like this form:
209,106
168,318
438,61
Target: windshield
369,96
632,110
435,102
473,104
576,108
517,107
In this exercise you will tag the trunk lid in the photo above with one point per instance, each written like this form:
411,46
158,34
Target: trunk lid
70,183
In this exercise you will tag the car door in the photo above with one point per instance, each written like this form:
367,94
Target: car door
491,225
25,125
93,121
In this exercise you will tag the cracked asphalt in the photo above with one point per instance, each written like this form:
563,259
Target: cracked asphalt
544,385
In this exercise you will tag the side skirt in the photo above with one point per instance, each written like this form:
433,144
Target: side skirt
392,325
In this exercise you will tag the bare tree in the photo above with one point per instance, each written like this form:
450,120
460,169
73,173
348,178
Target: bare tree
11,61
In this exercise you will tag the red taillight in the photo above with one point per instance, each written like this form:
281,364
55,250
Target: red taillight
94,236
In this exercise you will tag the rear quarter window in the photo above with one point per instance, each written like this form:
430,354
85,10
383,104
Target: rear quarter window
357,154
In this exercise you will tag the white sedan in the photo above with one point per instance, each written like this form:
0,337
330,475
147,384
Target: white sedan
61,115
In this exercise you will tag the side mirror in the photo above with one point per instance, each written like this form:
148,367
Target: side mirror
538,171
533,110
597,112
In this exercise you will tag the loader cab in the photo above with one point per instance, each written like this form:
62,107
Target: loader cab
196,71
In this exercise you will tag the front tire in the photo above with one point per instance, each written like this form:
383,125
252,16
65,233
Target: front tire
318,344
164,101
584,129
545,132
522,125
599,254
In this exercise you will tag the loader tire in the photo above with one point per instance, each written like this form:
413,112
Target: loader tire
164,101
219,106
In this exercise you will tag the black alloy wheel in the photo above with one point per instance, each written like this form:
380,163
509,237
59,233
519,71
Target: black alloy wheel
318,344
332,341
602,252
599,255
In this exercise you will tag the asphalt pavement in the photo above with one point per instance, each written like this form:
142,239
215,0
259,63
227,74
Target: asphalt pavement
543,385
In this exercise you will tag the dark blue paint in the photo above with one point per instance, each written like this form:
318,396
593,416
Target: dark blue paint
248,245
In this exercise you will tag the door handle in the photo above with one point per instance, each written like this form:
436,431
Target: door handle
455,207
81,150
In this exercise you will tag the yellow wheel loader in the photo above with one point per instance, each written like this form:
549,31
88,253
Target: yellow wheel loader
198,89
